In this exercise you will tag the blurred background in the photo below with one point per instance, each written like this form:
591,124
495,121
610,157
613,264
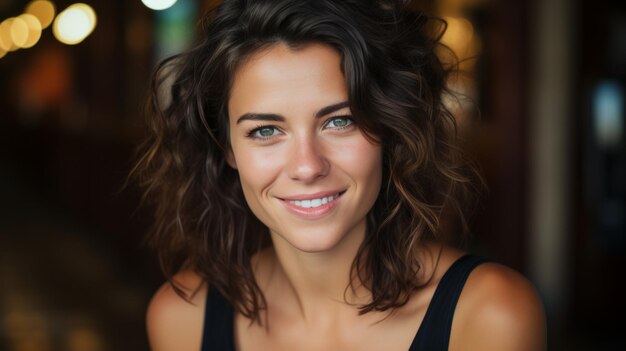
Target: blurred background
542,110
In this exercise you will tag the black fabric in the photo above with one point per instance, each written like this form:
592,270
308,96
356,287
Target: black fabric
218,323
433,333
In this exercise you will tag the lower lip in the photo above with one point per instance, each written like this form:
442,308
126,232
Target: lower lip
312,212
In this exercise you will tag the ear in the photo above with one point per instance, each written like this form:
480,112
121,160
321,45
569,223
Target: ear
230,159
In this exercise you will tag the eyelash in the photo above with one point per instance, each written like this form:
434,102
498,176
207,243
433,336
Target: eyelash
250,134
258,128
346,117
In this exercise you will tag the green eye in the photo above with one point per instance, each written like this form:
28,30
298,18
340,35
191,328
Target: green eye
263,132
266,132
339,122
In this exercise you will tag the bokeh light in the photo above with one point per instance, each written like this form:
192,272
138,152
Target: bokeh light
43,10
74,24
19,32
34,30
158,4
91,14
6,41
608,114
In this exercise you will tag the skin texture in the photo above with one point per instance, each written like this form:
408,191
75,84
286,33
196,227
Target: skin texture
305,154
304,275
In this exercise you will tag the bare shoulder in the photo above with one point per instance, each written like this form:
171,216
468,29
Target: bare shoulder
499,309
174,323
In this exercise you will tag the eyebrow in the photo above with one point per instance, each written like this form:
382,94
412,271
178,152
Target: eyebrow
251,116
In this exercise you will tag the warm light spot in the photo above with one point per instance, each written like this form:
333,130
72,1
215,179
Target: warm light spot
19,32
43,10
2,53
91,14
74,24
34,30
459,36
6,41
158,4
71,26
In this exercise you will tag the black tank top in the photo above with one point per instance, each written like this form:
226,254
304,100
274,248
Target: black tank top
432,335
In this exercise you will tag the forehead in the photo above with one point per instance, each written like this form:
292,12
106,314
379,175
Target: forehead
282,78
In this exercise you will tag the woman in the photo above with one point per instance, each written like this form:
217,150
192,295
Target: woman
300,164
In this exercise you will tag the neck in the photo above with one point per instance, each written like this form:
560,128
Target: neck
318,282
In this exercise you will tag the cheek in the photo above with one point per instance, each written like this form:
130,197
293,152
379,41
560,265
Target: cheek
362,160
257,168
257,171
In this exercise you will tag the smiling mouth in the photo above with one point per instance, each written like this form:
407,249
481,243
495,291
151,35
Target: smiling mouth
314,203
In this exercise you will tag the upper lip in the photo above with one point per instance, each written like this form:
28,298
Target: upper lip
312,196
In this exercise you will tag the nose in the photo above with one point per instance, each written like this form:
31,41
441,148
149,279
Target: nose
306,160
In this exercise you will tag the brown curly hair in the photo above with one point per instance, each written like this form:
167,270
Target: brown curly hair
396,85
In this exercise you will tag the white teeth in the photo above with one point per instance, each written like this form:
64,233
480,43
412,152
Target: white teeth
314,202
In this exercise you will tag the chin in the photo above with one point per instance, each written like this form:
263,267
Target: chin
315,246
317,240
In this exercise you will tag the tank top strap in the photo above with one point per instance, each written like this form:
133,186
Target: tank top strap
217,333
434,332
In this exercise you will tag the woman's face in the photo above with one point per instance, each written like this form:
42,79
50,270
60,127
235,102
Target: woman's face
306,169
